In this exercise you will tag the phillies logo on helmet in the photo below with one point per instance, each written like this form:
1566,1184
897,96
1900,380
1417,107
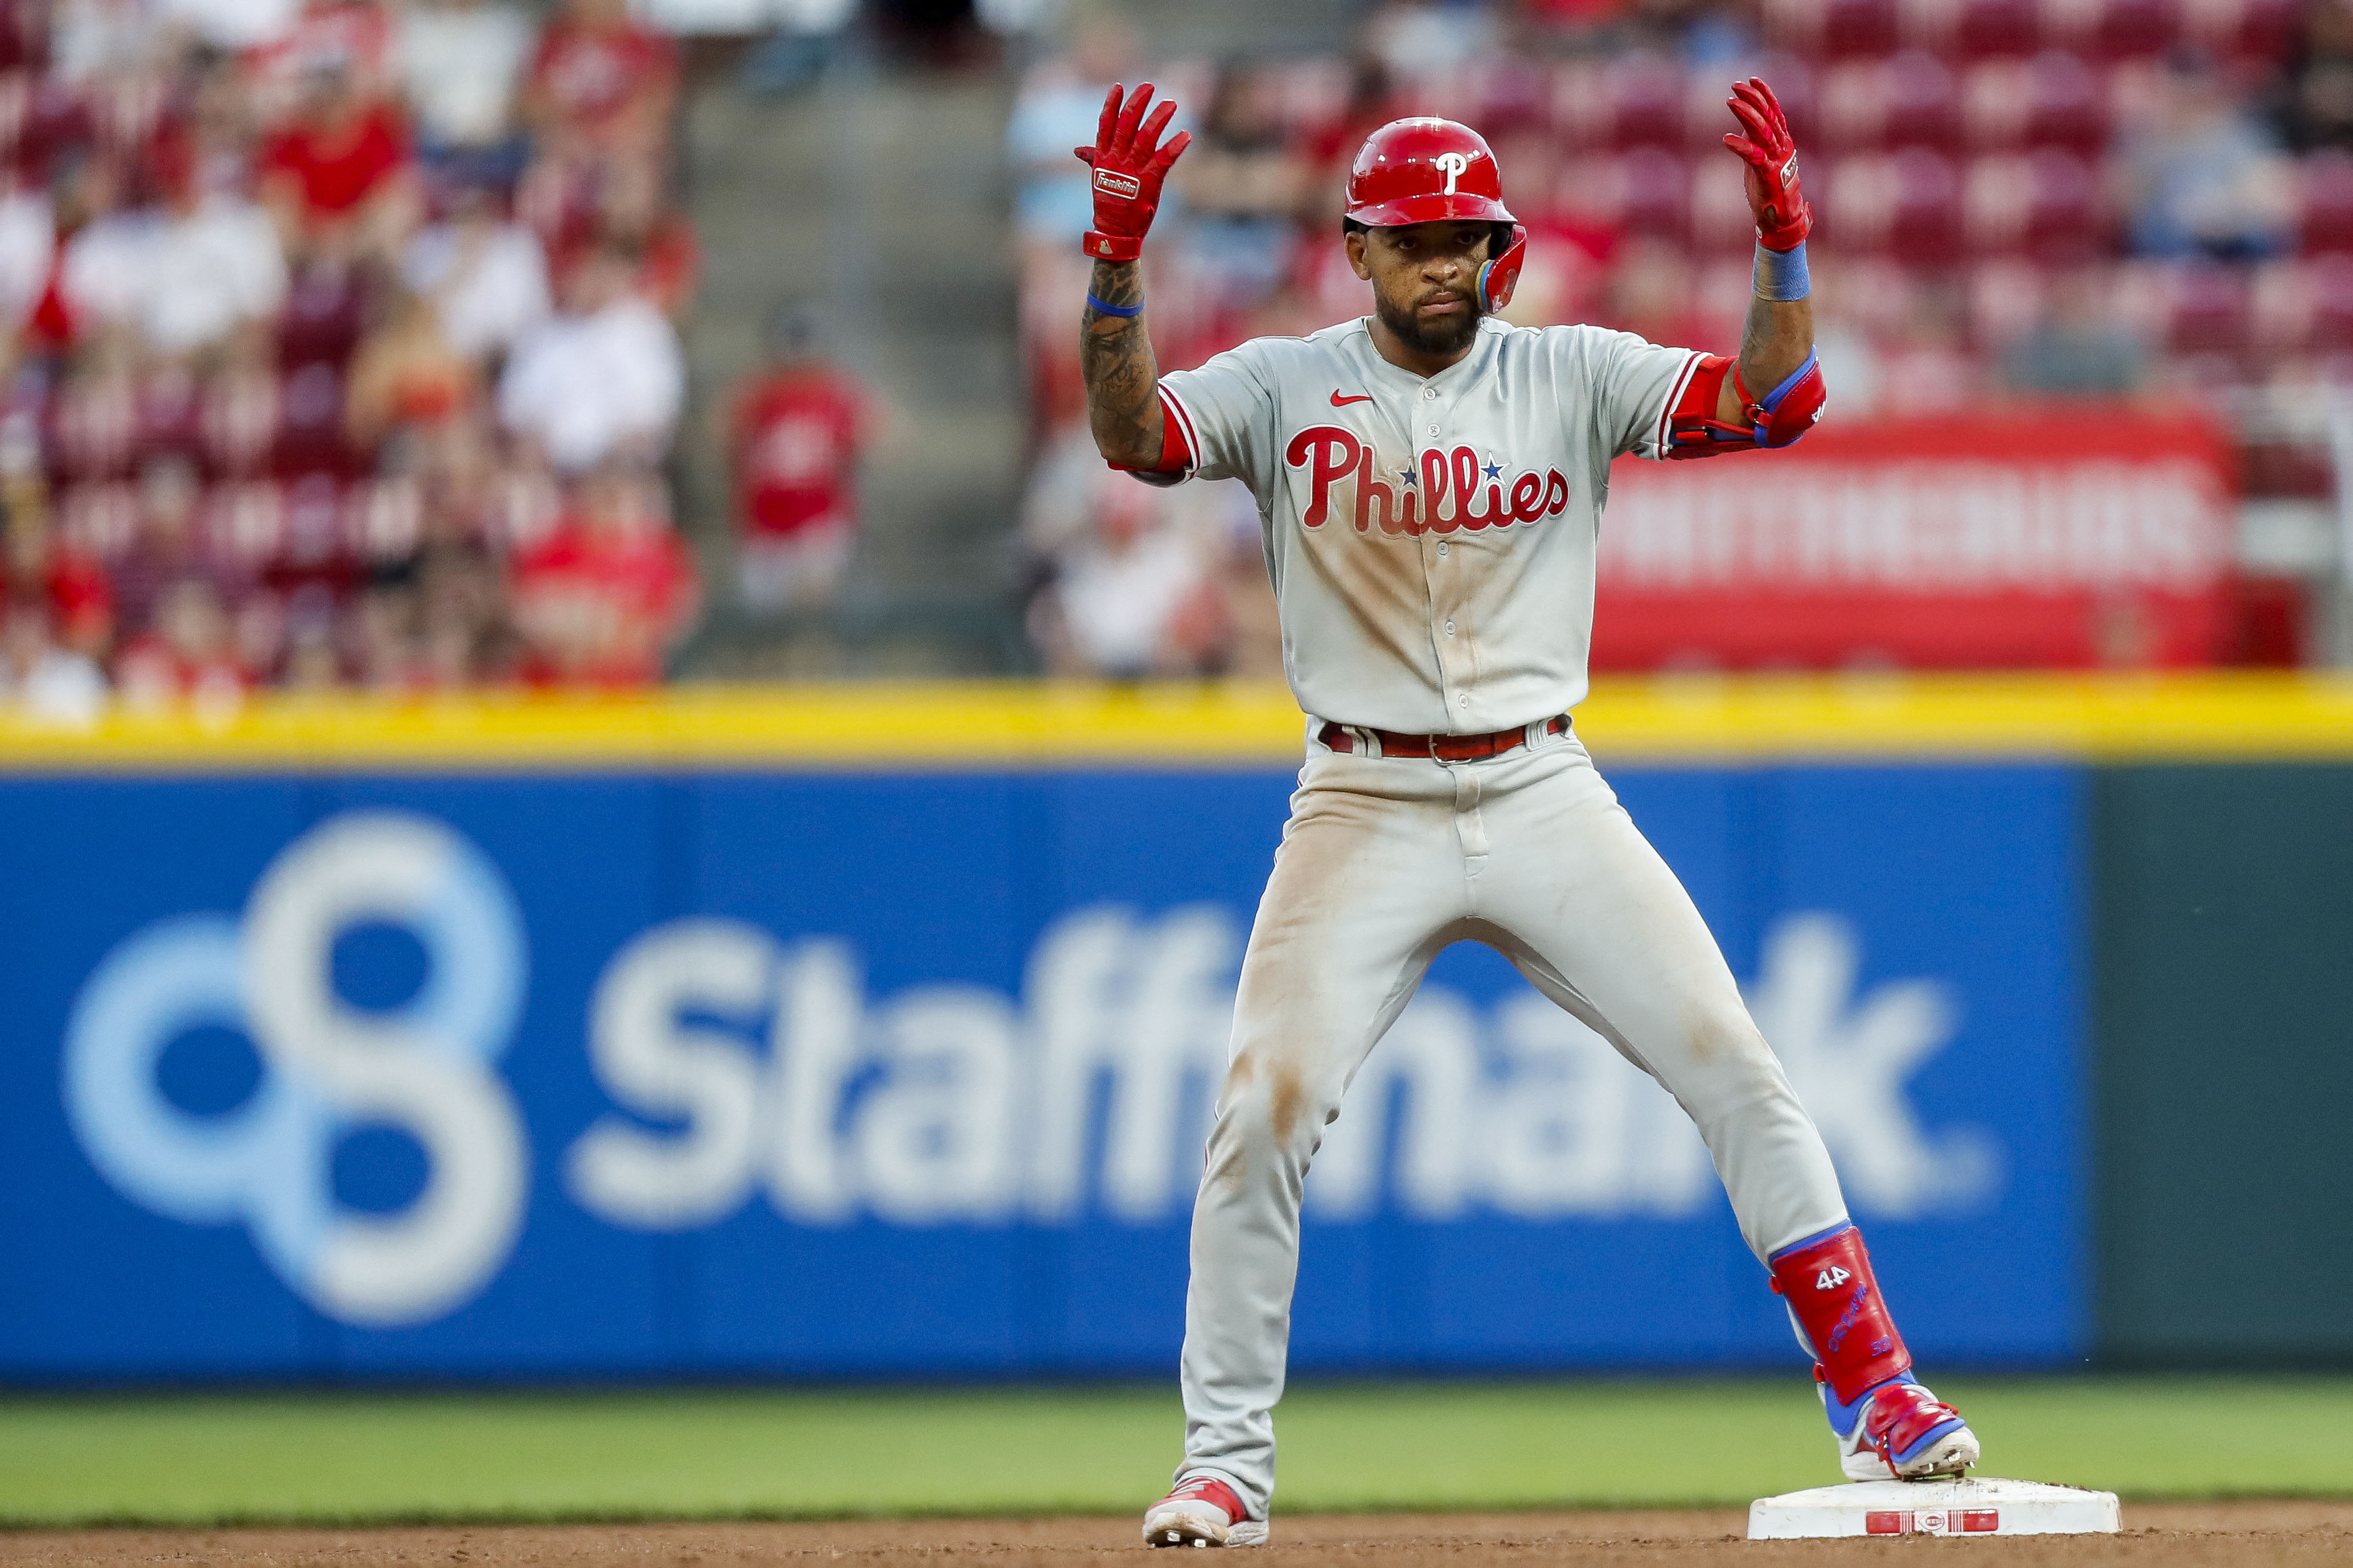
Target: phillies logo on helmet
1425,170
1115,184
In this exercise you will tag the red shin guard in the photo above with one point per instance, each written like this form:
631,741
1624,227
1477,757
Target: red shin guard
1828,1285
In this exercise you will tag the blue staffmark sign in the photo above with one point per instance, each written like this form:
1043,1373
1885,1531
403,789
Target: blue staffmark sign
427,1068
744,1069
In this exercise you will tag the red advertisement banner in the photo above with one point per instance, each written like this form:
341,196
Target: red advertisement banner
2074,538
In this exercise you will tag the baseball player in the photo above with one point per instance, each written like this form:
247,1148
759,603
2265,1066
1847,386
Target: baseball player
1430,482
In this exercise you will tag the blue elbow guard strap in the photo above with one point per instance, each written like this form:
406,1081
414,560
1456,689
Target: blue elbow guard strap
1789,410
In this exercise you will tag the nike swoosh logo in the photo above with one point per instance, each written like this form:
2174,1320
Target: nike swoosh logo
1340,401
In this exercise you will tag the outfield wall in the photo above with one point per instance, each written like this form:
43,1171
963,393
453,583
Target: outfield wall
874,1031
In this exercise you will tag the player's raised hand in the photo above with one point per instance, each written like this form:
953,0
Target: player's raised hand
1130,162
1783,218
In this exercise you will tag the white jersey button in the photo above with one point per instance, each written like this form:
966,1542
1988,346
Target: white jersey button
1464,699
1449,628
1433,429
1428,394
1441,547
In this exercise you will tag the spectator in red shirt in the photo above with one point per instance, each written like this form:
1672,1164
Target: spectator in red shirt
338,178
795,434
70,585
600,600
600,79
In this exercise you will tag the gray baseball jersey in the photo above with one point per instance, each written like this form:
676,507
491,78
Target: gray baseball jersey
1431,542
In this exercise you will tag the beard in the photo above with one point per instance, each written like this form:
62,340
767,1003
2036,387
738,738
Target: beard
1446,335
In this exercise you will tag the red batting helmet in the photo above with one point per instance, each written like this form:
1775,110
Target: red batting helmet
1427,170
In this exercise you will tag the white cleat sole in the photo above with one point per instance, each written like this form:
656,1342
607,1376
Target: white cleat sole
1949,1456
1182,1526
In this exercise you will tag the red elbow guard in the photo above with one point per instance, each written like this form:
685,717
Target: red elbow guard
1777,419
1828,1282
1789,410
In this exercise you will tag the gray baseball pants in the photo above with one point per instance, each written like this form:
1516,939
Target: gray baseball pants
1384,863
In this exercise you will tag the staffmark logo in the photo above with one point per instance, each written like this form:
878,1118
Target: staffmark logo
423,1067
1111,182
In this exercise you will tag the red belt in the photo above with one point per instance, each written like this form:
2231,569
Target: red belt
1438,748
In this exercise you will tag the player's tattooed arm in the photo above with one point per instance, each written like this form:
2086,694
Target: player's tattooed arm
1122,378
1779,336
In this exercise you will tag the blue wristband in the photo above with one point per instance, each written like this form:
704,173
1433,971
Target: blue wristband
1780,275
1137,308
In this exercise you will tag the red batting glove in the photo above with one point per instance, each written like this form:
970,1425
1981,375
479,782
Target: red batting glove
1129,161
1783,218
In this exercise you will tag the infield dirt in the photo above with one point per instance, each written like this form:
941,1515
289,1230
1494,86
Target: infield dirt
2159,1535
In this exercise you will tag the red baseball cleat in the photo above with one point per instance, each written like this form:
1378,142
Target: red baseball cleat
1901,1431
1202,1511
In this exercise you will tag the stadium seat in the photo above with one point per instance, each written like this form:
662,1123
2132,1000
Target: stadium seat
2208,312
2329,294
1504,95
2063,220
1997,194
239,421
2256,29
321,323
1854,200
317,536
1646,101
2130,29
2325,191
168,412
2005,302
1923,226
245,522
1309,94
1853,107
1652,189
310,435
1581,104
1996,98
57,118
1922,101
1795,82
1985,29
101,519
2303,306
2280,300
2066,104
2044,204
93,426
1720,219
1852,29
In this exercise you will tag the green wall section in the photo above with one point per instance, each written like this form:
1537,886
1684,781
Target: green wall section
2222,1041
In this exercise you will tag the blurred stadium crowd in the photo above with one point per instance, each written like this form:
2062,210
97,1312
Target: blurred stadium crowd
2123,199
339,346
